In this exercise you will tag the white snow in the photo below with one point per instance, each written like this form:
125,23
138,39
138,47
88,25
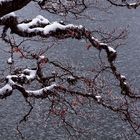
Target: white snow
29,27
31,74
124,83
132,4
71,77
111,50
41,91
6,88
10,61
81,26
42,57
98,97
43,20
54,26
103,44
9,78
36,21
95,39
12,14
123,77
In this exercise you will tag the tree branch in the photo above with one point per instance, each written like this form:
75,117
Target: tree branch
7,7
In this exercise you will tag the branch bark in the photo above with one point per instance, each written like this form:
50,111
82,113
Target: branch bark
7,7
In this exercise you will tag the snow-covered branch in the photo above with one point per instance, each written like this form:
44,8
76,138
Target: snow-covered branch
40,26
41,92
6,91
17,81
26,76
73,86
11,80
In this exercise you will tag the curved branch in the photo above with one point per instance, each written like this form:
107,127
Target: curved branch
124,3
41,26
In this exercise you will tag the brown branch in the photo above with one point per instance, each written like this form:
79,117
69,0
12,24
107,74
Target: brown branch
124,3
7,7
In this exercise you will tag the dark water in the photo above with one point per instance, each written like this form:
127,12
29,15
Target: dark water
107,126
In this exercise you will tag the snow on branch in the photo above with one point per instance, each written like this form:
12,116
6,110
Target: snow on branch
26,76
29,74
41,92
5,91
19,79
16,82
36,22
40,26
